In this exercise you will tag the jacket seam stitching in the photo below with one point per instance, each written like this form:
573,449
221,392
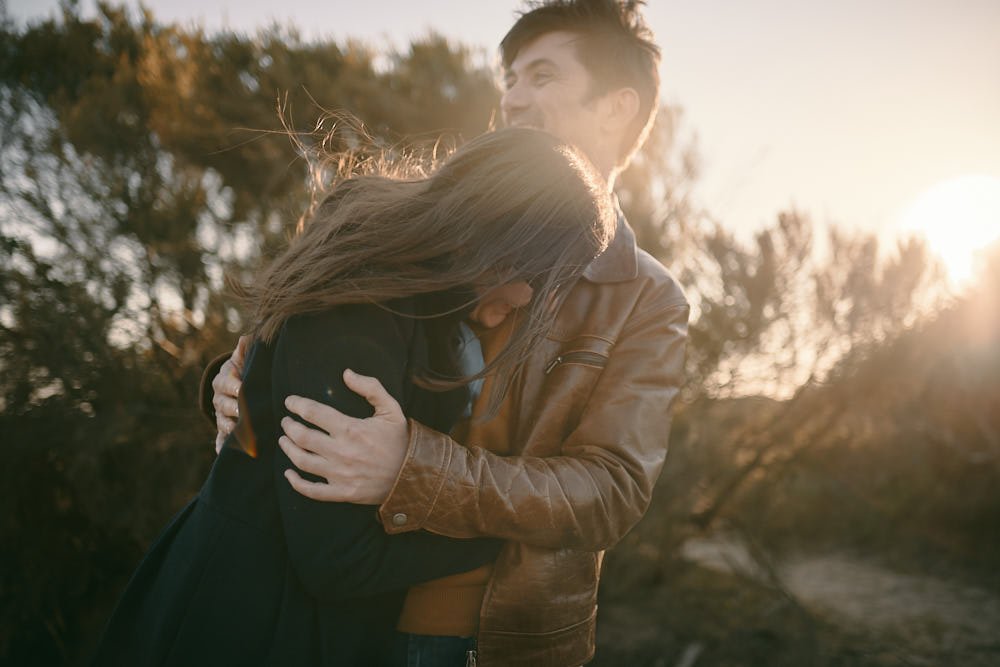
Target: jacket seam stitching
606,355
437,494
573,339
386,505
598,337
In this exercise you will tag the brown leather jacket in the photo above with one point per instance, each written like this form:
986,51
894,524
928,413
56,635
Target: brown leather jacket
574,453
572,459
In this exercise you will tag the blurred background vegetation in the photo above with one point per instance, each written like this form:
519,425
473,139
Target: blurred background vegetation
840,426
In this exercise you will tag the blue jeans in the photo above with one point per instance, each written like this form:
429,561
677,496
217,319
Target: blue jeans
431,651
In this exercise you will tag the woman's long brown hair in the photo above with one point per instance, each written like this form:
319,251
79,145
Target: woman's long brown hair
515,204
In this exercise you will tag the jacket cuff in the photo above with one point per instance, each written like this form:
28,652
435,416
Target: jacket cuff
205,392
415,491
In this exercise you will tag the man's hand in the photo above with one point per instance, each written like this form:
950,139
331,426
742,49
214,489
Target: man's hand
359,458
226,389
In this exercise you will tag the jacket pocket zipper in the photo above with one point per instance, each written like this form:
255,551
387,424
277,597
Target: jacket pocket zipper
581,357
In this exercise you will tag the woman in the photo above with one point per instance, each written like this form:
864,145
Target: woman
379,282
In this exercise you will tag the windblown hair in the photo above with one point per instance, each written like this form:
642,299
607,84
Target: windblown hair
516,204
615,45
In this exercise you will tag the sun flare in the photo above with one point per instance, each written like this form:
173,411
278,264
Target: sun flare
958,217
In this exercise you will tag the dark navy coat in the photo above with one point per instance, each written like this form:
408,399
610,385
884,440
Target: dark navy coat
251,572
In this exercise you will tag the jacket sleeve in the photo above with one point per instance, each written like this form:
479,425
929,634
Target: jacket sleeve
586,498
339,549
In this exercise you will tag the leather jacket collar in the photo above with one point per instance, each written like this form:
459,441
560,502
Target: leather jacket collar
619,262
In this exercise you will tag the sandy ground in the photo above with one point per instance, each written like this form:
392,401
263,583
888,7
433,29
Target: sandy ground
932,621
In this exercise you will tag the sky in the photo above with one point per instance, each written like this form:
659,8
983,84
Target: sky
850,111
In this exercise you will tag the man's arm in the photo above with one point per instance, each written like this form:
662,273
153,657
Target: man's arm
587,498
339,549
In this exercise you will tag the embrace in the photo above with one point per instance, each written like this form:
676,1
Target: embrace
454,394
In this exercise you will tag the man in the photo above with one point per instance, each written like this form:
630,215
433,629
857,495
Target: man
567,465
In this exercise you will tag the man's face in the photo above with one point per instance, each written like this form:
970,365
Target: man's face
547,87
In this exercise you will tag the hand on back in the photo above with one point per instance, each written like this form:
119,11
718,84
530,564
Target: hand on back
357,459
226,391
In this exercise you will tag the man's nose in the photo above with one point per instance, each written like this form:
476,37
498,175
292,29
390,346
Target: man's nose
513,101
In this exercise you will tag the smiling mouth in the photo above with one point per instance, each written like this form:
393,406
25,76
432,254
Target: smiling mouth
523,121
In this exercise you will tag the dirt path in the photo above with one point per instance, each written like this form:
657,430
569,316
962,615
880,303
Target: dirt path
933,620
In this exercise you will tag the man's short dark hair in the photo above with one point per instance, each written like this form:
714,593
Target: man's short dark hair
616,47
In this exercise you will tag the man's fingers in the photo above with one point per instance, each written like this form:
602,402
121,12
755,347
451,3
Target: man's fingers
319,414
303,460
240,353
314,490
226,407
373,392
309,439
224,425
227,381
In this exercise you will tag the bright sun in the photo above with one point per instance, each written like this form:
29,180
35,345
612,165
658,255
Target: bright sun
958,218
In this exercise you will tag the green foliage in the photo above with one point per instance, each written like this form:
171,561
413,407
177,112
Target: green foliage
783,309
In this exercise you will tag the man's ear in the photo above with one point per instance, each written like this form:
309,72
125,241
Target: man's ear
619,108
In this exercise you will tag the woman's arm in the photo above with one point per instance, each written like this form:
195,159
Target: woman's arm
339,549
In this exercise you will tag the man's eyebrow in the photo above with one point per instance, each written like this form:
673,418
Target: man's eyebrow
533,65
540,62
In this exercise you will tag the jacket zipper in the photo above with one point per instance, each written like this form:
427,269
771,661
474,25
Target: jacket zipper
586,358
